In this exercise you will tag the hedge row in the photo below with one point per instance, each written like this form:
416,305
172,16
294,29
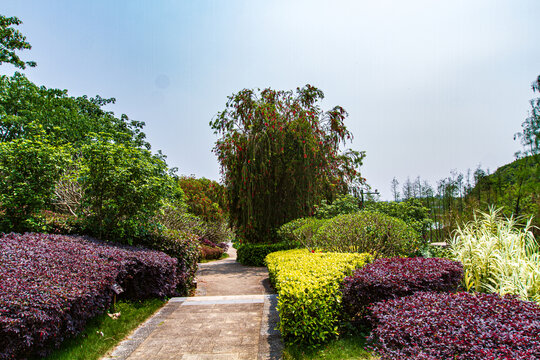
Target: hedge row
254,254
460,326
50,285
184,247
309,297
396,277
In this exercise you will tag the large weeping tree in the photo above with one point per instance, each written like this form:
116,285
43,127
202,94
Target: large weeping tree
280,156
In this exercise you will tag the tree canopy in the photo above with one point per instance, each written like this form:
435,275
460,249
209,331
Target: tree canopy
11,40
280,156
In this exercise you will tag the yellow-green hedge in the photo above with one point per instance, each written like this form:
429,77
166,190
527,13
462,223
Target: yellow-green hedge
309,296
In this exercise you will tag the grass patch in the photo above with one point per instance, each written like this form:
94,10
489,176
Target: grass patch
346,348
91,344
224,256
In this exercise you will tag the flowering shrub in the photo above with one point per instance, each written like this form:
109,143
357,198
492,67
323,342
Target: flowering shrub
460,326
50,285
396,277
309,297
365,231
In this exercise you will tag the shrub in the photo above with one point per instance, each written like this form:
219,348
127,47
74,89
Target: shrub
305,233
498,256
50,285
211,253
460,326
379,234
390,278
411,211
343,204
254,254
286,232
309,297
181,245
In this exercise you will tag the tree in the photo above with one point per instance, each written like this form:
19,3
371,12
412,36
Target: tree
395,191
123,187
280,156
29,169
11,40
530,136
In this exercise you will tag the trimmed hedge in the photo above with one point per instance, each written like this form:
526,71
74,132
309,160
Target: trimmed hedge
390,278
211,253
184,247
50,285
309,296
365,231
460,326
254,254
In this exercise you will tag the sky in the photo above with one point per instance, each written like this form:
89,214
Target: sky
430,86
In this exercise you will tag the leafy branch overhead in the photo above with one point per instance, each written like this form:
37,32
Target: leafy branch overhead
11,40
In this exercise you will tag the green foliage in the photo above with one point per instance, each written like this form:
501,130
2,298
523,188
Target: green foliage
305,233
205,198
343,348
10,40
285,232
254,254
366,231
411,211
530,137
122,188
67,120
514,187
309,296
279,156
181,245
498,256
29,169
343,204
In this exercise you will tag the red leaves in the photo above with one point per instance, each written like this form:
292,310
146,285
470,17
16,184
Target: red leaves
458,326
67,280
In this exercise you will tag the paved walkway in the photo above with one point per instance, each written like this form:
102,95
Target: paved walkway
232,316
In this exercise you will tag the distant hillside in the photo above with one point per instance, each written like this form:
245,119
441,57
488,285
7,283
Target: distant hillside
514,186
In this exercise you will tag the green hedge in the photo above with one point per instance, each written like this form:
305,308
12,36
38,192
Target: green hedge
309,297
254,254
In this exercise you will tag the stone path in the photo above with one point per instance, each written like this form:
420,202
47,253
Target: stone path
232,316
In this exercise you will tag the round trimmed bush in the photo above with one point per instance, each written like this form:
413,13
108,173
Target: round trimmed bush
396,277
366,231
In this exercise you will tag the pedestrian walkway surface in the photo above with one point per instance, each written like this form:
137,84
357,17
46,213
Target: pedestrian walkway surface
232,316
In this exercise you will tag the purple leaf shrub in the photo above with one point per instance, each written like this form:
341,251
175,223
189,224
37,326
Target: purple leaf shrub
50,285
396,277
459,326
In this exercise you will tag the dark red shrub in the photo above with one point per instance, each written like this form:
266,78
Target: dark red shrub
211,253
50,285
458,326
396,277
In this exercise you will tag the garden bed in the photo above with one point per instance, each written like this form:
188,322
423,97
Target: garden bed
50,285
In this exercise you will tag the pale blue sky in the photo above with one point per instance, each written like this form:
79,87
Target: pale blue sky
430,86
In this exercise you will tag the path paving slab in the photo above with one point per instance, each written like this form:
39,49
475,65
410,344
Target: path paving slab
232,316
